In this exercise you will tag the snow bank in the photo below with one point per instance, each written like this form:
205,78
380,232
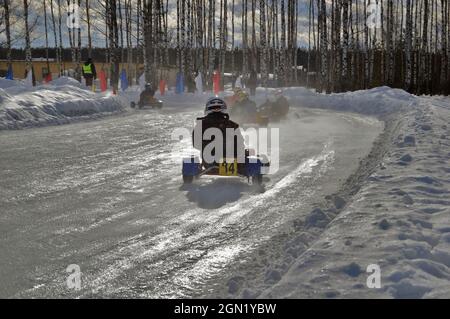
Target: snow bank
67,81
399,221
377,101
61,102
393,213
8,84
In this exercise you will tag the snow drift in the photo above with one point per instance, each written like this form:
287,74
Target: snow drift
61,102
378,101
392,213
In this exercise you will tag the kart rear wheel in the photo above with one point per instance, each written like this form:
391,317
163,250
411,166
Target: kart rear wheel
188,179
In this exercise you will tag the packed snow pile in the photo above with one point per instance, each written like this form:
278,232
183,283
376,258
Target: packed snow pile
60,102
391,218
377,101
67,81
399,221
11,85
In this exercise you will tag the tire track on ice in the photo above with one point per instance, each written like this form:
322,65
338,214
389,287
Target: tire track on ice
193,231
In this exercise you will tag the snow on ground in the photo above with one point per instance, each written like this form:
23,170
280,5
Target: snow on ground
399,220
393,213
61,102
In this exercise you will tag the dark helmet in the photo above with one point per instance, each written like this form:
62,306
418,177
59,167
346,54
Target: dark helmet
148,86
215,105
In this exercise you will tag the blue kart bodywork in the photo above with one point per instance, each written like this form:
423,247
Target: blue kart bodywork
252,169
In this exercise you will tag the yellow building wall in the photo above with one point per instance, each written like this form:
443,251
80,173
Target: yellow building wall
19,69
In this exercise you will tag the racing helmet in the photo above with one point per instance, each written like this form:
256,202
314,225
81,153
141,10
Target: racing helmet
215,105
148,86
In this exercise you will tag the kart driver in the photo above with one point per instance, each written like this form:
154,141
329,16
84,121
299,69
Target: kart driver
216,117
232,100
276,108
147,97
281,105
244,110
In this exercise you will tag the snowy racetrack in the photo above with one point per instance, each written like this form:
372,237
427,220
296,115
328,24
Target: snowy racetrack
107,196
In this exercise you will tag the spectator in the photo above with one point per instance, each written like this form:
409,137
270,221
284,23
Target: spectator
89,72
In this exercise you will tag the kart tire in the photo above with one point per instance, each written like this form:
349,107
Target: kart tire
188,179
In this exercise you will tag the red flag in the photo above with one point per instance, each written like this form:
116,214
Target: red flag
216,82
103,82
162,87
48,78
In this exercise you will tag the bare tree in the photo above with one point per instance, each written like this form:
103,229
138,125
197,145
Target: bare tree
263,43
29,59
88,17
6,7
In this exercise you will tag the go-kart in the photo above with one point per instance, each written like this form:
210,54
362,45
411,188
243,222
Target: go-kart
270,112
153,104
254,168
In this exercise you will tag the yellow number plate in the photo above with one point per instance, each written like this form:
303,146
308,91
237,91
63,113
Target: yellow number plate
228,167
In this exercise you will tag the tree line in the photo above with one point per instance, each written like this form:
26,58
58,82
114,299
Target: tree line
350,44
364,44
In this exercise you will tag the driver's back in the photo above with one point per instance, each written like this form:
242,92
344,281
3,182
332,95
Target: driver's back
222,122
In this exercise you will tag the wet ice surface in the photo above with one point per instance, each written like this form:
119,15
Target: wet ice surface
108,196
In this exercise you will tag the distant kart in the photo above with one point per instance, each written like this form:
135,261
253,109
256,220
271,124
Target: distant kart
271,113
156,104
254,168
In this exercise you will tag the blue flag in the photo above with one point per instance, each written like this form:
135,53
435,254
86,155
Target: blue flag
9,74
124,80
180,83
